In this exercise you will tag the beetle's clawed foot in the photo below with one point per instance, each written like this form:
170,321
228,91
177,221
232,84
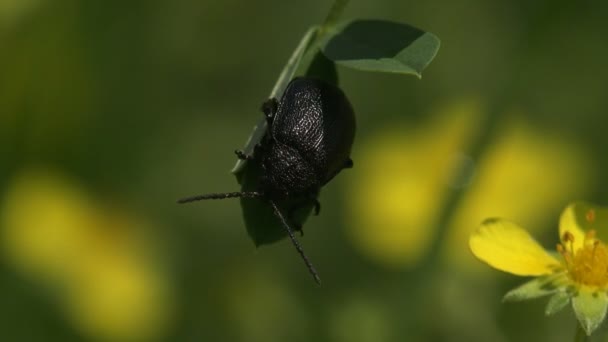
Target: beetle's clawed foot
317,207
348,164
269,107
299,228
242,156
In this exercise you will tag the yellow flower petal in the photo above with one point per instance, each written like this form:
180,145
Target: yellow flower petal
514,163
507,247
570,223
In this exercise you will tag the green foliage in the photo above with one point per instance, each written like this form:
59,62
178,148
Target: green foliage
382,46
140,103
370,45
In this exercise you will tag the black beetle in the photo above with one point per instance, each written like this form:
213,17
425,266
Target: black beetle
308,142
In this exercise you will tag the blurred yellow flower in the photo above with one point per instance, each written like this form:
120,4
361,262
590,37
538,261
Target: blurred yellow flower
403,174
580,275
99,261
45,221
399,180
524,175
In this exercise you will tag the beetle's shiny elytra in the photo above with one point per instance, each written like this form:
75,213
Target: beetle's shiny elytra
308,142
311,136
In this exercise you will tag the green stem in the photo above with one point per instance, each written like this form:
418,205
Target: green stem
286,75
580,335
310,39
334,13
312,36
292,64
485,133
502,96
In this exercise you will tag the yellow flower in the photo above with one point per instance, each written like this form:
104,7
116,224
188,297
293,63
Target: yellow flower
100,262
578,273
408,169
405,173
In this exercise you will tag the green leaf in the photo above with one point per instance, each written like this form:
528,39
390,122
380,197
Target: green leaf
383,46
590,309
537,287
322,68
557,302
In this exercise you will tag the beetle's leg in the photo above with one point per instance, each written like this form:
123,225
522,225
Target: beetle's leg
291,216
242,156
317,206
311,197
258,149
269,107
297,227
291,213
348,164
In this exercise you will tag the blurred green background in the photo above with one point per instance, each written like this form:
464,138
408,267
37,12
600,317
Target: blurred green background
111,110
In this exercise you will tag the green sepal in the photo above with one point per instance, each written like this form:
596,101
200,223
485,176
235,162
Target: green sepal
557,302
537,287
590,309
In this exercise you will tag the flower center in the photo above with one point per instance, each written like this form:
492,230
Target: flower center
589,264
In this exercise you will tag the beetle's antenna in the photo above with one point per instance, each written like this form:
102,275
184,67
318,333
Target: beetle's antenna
295,242
224,195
